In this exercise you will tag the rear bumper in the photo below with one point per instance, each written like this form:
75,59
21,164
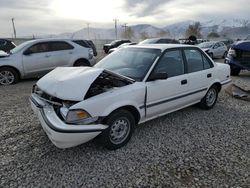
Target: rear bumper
226,83
61,134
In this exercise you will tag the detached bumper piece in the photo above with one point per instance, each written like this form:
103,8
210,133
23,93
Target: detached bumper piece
61,134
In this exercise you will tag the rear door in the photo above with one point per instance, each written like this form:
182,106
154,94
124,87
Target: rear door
199,73
61,53
168,94
37,61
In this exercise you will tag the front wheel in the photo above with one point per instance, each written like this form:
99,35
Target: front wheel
8,76
209,100
121,126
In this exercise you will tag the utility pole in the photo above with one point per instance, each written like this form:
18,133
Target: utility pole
125,29
116,20
88,29
14,29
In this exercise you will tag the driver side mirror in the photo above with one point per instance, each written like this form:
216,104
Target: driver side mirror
27,52
158,76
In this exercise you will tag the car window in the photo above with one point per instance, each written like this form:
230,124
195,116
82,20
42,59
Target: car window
196,61
2,42
216,45
60,45
171,63
39,48
82,43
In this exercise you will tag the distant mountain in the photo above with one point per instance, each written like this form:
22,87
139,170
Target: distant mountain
236,28
221,26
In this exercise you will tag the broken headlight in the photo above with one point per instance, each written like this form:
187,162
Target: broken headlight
77,116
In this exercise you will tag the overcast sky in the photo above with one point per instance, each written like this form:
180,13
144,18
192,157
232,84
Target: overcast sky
40,17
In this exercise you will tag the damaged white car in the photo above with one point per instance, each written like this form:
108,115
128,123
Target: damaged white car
128,87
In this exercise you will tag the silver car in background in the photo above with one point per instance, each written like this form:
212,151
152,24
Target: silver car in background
214,49
35,58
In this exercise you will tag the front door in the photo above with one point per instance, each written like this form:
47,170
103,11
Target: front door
166,95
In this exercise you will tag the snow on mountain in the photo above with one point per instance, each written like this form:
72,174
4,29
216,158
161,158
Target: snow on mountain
176,30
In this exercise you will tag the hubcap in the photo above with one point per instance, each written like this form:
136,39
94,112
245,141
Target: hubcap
6,77
119,130
211,96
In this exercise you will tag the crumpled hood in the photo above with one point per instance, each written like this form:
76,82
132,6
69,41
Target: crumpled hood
69,83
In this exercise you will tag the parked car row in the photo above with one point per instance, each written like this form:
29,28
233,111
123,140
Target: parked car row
35,58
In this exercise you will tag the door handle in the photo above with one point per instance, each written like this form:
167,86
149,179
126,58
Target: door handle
183,82
70,52
209,75
47,55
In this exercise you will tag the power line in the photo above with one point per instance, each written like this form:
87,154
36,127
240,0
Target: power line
115,20
88,28
125,28
14,29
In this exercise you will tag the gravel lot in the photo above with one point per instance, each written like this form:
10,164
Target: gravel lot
188,148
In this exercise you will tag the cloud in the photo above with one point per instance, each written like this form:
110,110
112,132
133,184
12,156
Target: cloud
141,8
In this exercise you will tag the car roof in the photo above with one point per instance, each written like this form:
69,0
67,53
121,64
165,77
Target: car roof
50,39
161,46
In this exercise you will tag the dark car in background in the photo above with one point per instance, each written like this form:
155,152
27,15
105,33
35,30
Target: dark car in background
160,41
114,44
87,44
6,45
228,42
238,57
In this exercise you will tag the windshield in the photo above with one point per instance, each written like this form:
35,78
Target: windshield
130,62
206,45
19,47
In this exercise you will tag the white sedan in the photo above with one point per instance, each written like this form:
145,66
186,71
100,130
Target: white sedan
128,87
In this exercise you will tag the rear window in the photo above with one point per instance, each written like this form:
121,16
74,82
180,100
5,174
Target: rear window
60,45
82,43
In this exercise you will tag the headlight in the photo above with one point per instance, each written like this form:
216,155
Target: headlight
79,117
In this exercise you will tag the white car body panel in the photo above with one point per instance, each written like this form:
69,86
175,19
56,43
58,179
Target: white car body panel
150,99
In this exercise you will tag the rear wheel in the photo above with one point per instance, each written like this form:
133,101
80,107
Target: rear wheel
121,126
8,76
81,63
209,100
224,55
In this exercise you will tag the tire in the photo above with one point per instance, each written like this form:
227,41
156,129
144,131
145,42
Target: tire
81,63
211,55
121,126
8,76
224,55
234,71
210,99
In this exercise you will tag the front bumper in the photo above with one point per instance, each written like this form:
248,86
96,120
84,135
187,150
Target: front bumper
61,134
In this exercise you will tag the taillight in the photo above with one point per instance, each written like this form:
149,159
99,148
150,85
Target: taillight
232,52
91,53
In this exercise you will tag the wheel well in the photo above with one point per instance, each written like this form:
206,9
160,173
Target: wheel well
218,85
131,109
18,72
82,60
